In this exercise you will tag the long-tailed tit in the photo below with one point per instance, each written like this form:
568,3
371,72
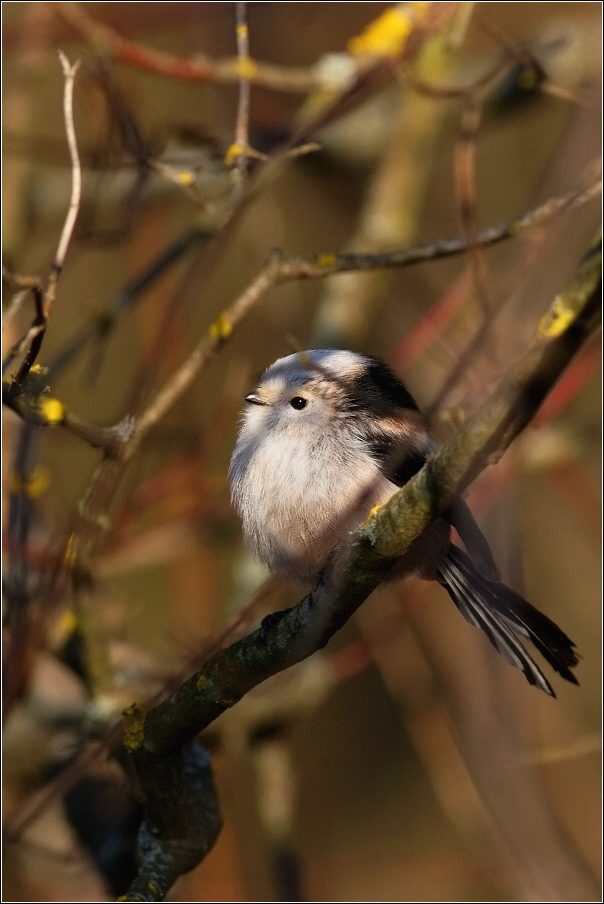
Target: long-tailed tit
326,436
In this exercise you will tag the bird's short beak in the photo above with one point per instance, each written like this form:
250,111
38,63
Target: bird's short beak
254,399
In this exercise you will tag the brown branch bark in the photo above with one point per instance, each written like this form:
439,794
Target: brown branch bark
156,739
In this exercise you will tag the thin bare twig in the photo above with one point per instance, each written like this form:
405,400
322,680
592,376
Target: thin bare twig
329,264
293,80
185,179
100,324
517,51
524,56
453,92
14,307
477,341
219,333
30,341
69,72
563,92
243,109
20,285
42,411
44,302
464,165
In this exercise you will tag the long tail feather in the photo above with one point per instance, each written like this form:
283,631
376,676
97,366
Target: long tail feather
503,614
459,515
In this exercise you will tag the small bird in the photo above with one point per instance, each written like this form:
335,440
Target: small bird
329,434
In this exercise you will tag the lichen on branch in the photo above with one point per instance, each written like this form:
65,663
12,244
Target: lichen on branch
158,738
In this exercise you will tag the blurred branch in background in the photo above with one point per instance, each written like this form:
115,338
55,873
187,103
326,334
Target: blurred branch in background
200,68
122,584
279,270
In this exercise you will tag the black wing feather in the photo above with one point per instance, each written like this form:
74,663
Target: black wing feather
400,444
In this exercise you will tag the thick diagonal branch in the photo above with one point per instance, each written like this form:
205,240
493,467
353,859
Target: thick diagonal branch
287,637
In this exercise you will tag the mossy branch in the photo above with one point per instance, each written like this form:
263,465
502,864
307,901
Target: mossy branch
183,810
156,739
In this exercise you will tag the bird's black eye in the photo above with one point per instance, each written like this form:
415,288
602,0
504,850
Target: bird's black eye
298,402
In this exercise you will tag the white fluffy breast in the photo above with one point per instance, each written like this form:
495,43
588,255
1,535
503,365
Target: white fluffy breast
300,490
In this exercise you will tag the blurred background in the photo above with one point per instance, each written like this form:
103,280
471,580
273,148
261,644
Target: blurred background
406,761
